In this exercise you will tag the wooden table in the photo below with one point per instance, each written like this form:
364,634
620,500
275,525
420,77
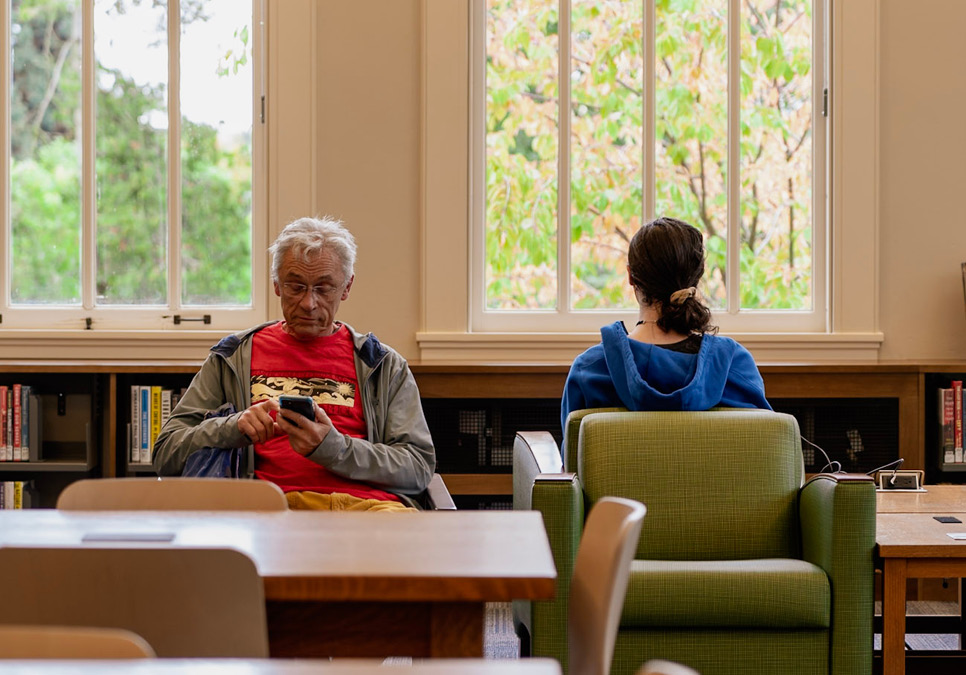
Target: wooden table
282,667
937,500
347,584
912,545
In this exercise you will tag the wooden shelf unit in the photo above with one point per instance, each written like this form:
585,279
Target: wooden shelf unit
904,383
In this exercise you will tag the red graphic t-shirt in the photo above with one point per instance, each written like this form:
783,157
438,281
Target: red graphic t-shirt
325,370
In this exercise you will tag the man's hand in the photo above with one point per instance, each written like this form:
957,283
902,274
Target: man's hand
257,423
304,435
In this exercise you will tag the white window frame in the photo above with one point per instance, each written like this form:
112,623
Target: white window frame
852,330
101,319
563,318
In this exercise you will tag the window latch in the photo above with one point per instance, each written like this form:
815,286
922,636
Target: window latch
178,319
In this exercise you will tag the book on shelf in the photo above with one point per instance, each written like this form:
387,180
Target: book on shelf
144,415
134,438
946,408
33,448
957,386
155,418
17,422
20,424
17,494
167,396
151,406
4,393
8,446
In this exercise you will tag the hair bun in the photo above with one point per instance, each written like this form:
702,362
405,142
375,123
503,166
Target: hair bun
682,296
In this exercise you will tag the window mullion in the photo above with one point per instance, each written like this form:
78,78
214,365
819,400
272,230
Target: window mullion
563,157
732,273
6,76
88,159
649,189
174,155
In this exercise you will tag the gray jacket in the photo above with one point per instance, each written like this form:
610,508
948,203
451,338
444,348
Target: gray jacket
398,455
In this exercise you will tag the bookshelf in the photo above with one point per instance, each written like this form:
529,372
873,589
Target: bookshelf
474,410
935,380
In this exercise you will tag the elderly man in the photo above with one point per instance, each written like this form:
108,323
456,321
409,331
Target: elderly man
368,446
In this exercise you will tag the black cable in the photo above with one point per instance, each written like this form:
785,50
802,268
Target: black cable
836,467
897,464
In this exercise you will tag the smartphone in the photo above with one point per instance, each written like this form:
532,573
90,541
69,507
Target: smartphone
303,405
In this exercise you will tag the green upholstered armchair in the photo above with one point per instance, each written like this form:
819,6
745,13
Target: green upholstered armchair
739,568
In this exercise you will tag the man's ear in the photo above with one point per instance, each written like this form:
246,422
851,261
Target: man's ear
629,280
348,286
278,289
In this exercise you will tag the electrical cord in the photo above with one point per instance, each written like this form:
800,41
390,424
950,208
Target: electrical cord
836,467
830,466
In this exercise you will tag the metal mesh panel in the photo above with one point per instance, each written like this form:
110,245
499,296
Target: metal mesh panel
476,436
862,434
483,502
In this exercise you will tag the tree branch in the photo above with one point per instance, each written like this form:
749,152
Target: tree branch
52,84
758,18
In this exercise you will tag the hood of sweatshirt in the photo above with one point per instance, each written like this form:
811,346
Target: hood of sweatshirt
648,377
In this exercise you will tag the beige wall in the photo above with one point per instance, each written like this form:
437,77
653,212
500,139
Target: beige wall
369,166
922,179
368,93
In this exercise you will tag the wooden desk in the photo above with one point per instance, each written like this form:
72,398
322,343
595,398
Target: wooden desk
348,584
912,545
282,667
938,499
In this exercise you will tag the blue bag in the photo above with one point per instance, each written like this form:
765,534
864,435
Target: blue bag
210,462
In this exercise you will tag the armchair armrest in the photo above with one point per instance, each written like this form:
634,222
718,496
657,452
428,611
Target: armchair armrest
438,496
534,453
837,515
559,498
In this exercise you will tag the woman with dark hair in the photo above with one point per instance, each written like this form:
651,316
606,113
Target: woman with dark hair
673,358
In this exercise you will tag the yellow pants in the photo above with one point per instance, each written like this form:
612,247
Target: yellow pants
338,501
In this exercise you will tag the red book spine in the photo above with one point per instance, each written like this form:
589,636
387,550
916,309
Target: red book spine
958,419
3,422
16,422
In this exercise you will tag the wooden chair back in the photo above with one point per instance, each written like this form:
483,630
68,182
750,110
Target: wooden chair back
601,570
186,602
171,494
71,642
660,667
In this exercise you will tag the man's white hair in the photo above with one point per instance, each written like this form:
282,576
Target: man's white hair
310,236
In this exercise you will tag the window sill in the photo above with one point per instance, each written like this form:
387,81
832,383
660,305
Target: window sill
442,348
114,345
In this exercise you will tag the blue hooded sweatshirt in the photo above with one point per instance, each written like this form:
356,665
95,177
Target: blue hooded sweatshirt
620,372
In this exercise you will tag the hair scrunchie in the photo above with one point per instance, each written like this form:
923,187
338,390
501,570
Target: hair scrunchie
682,296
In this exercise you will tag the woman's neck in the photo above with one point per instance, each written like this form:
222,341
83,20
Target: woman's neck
646,330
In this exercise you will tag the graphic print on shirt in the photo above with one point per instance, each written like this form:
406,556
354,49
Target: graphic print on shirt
323,390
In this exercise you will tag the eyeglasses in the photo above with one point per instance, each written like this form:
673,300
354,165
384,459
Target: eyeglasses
295,291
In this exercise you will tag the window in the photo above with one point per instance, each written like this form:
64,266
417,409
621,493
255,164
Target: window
133,152
654,107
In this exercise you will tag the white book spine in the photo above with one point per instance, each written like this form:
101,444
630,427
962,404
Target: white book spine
135,439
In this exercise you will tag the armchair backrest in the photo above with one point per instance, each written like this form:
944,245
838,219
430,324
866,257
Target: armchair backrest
719,485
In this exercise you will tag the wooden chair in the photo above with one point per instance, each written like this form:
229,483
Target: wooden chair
71,642
171,494
186,602
601,570
659,667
